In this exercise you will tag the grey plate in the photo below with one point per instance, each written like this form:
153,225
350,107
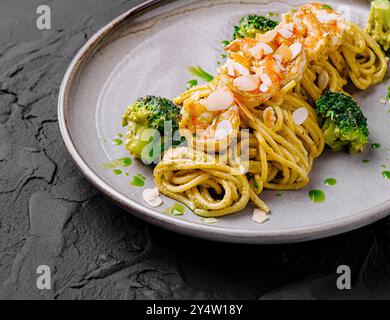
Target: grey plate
147,51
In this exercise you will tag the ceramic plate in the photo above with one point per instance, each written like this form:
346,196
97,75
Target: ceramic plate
147,51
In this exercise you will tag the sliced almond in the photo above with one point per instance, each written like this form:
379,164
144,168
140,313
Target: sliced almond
246,83
230,68
296,49
278,58
265,78
234,68
257,52
289,26
263,88
209,220
224,129
266,37
233,46
285,52
287,34
323,80
259,216
279,61
300,116
327,17
266,48
261,49
241,69
219,100
152,197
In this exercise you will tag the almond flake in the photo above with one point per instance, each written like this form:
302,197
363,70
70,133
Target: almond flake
263,88
209,220
266,48
327,17
278,58
259,216
296,49
224,129
266,37
285,33
256,52
234,66
265,78
152,197
323,80
300,116
246,83
289,26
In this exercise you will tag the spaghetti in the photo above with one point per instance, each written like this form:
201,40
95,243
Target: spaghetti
251,107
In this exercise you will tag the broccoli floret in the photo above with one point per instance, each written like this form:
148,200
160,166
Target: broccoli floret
153,113
343,123
378,25
252,24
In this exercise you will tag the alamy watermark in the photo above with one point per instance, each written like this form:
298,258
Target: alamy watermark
44,17
44,277
345,278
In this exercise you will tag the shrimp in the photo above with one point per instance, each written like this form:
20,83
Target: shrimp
211,120
321,28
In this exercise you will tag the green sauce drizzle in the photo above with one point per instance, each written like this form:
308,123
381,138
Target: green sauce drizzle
175,210
117,172
330,182
273,14
366,161
117,142
375,146
138,181
191,84
317,196
386,175
123,163
326,6
388,94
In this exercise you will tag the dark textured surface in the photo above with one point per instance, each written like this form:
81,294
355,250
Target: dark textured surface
49,215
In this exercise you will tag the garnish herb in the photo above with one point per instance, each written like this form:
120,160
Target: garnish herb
200,73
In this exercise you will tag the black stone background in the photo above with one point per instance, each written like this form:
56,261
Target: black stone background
50,215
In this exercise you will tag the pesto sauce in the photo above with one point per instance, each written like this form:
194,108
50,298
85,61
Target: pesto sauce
138,181
176,210
388,94
117,142
330,182
386,175
273,14
317,196
122,162
375,146
366,161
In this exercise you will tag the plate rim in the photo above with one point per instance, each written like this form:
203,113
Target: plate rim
208,232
